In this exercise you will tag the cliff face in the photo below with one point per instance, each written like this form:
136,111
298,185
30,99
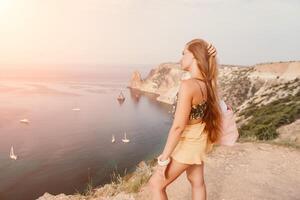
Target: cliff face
136,80
163,80
238,84
284,70
264,96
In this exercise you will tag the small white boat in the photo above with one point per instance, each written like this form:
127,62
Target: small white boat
12,154
121,97
125,138
76,109
113,139
24,121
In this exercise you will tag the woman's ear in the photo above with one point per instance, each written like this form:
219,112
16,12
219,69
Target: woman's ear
194,62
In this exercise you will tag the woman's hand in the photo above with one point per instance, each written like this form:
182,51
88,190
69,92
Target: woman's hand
162,171
211,50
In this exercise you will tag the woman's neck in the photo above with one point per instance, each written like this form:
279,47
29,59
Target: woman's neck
195,72
197,76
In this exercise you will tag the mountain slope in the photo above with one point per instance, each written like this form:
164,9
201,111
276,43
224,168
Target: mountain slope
264,96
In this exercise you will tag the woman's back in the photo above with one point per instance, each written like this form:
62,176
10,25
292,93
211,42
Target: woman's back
199,101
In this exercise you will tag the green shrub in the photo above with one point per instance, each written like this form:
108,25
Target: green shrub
266,119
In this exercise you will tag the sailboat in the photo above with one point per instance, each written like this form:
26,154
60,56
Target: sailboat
24,121
76,109
12,154
113,139
125,139
121,97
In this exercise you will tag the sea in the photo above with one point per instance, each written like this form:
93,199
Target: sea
67,143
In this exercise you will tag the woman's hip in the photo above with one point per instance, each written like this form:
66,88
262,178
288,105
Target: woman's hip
194,132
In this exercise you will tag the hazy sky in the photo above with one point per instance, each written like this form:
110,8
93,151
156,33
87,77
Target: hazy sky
127,32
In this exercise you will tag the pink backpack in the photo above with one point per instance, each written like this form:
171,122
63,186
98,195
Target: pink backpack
229,133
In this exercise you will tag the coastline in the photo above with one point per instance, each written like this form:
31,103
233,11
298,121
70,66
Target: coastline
253,164
122,187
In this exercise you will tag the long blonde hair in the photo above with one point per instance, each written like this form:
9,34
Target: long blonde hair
209,70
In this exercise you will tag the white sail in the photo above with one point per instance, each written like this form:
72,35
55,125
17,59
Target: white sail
12,154
125,138
11,151
113,138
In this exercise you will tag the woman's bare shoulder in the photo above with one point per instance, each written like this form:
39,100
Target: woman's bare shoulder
189,84
186,86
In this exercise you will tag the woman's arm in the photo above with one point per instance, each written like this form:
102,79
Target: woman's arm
181,118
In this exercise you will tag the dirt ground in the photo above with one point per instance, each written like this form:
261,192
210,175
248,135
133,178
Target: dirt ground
246,171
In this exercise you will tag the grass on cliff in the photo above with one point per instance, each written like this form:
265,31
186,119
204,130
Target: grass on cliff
264,120
128,183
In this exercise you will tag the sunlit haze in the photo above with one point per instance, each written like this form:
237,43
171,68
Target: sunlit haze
68,34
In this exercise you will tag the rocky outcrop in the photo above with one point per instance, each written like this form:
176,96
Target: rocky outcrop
279,70
163,80
136,80
251,91
238,84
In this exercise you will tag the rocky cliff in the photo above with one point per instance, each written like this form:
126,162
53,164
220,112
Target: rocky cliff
237,83
163,80
252,91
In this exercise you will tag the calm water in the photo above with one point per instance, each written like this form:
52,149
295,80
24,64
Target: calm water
61,149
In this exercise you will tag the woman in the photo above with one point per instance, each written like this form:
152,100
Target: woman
196,125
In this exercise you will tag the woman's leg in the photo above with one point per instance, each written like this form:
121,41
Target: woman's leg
195,175
158,184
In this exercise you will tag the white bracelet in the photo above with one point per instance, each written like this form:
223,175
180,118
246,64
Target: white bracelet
164,162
